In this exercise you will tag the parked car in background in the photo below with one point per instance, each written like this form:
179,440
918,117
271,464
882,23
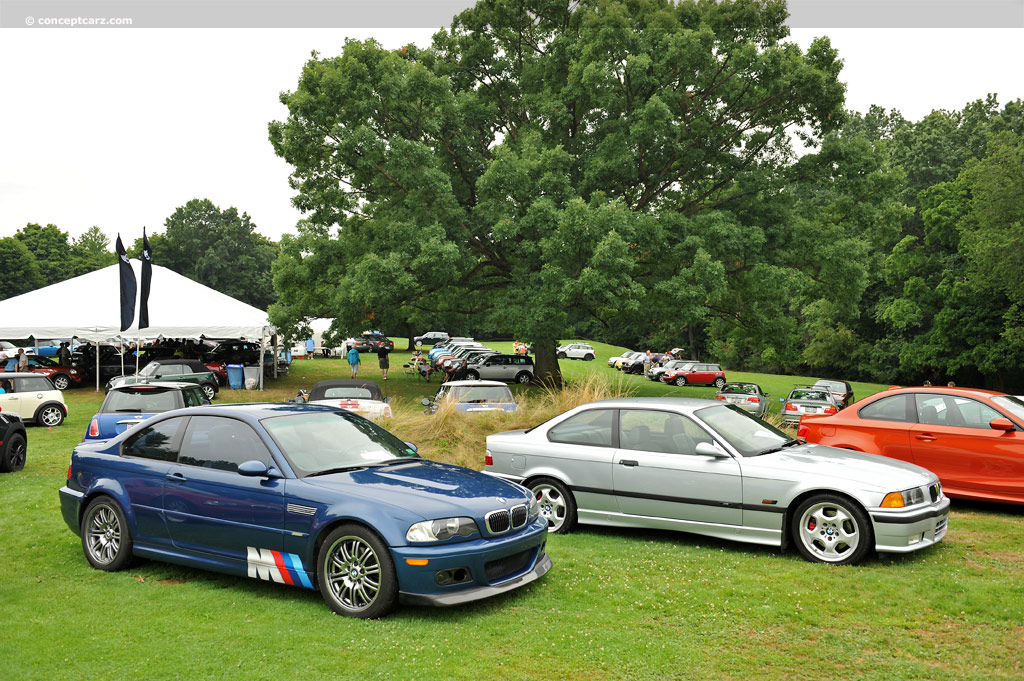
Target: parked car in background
111,362
367,519
655,373
62,377
473,397
370,341
713,469
182,370
244,352
13,442
431,338
696,374
842,392
625,357
127,406
804,400
612,361
584,351
362,397
32,398
513,368
972,439
470,356
747,396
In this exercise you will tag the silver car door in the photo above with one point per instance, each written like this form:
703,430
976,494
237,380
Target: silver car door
657,473
580,450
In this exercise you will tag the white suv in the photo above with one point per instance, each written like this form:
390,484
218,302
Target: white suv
33,398
582,351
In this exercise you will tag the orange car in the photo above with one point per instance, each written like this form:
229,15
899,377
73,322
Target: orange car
972,439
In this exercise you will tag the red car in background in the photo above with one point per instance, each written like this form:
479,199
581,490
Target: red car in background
696,373
972,439
62,377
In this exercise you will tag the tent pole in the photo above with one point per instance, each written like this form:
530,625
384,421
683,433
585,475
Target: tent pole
97,346
263,352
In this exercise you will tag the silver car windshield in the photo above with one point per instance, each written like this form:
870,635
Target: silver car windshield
750,436
334,441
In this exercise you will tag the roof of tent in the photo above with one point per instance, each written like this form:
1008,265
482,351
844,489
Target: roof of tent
89,307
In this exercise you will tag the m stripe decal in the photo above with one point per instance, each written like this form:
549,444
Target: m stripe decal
295,567
285,573
683,500
283,568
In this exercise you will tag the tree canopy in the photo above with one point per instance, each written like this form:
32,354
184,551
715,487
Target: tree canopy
549,163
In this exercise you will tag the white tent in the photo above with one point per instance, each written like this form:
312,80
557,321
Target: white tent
88,307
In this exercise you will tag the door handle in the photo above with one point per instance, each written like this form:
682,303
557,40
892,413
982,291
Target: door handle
176,477
926,437
629,462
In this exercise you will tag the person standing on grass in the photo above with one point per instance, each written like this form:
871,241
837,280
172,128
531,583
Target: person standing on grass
309,348
353,359
22,360
382,359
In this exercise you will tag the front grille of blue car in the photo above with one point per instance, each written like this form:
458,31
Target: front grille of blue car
501,521
509,566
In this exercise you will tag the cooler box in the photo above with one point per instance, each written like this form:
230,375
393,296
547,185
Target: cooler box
254,374
236,376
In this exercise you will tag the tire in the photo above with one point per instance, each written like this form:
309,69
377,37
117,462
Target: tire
557,504
355,573
719,382
106,539
588,357
209,390
50,415
524,377
828,528
680,381
13,459
472,376
61,381
561,355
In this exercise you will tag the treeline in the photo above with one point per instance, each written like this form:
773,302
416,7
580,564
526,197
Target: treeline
218,248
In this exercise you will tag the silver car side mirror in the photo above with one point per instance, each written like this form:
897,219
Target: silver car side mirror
709,449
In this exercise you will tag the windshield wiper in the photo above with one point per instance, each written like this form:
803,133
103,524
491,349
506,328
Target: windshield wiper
340,469
772,450
392,462
126,411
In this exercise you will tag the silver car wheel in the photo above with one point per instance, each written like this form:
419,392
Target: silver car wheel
829,532
209,391
103,536
51,416
553,507
61,382
353,573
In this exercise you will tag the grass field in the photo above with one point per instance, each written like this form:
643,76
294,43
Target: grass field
618,604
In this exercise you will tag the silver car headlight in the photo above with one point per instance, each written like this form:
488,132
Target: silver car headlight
907,497
439,530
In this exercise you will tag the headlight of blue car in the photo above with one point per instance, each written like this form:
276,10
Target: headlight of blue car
533,510
439,530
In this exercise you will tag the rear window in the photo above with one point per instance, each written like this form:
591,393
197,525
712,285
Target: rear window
740,388
478,394
352,393
814,395
144,400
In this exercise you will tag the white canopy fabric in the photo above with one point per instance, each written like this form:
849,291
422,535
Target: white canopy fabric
89,307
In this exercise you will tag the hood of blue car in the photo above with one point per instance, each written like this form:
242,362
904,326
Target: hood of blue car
428,488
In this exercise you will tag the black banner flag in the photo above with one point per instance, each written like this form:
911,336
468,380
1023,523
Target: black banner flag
128,286
147,277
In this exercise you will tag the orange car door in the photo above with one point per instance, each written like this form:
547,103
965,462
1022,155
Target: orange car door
953,439
880,427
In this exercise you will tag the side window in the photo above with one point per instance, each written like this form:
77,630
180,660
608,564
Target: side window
892,408
32,384
659,431
157,442
591,427
221,443
949,410
193,398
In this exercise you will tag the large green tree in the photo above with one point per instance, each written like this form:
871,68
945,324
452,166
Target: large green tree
218,248
547,161
51,249
20,273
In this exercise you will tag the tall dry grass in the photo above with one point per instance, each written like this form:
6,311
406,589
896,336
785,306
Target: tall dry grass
457,437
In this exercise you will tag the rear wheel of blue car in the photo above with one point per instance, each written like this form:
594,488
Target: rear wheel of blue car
828,528
106,539
357,577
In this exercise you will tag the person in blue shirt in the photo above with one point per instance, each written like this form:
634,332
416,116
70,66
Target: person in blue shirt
353,359
309,348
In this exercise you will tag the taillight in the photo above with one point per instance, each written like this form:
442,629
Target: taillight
720,397
791,407
802,431
829,410
69,472
94,428
488,459
753,399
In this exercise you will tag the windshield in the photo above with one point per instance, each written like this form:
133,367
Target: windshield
750,436
481,393
740,388
1014,405
811,395
149,369
319,442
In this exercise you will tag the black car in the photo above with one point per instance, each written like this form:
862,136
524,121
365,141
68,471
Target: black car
246,353
431,338
84,360
13,443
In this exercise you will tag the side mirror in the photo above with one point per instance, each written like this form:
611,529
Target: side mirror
387,400
253,469
1001,423
412,446
709,449
782,399
425,402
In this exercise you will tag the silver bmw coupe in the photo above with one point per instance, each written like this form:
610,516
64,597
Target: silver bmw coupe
710,468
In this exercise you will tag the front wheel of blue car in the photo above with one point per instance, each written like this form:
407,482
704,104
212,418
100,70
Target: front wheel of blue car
356,574
106,539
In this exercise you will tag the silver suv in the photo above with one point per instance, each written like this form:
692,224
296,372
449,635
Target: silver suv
517,368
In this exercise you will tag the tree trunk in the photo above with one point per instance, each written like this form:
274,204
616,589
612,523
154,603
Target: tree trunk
411,336
693,345
545,363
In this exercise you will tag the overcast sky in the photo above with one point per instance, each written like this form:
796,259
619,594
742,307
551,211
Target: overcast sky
117,128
